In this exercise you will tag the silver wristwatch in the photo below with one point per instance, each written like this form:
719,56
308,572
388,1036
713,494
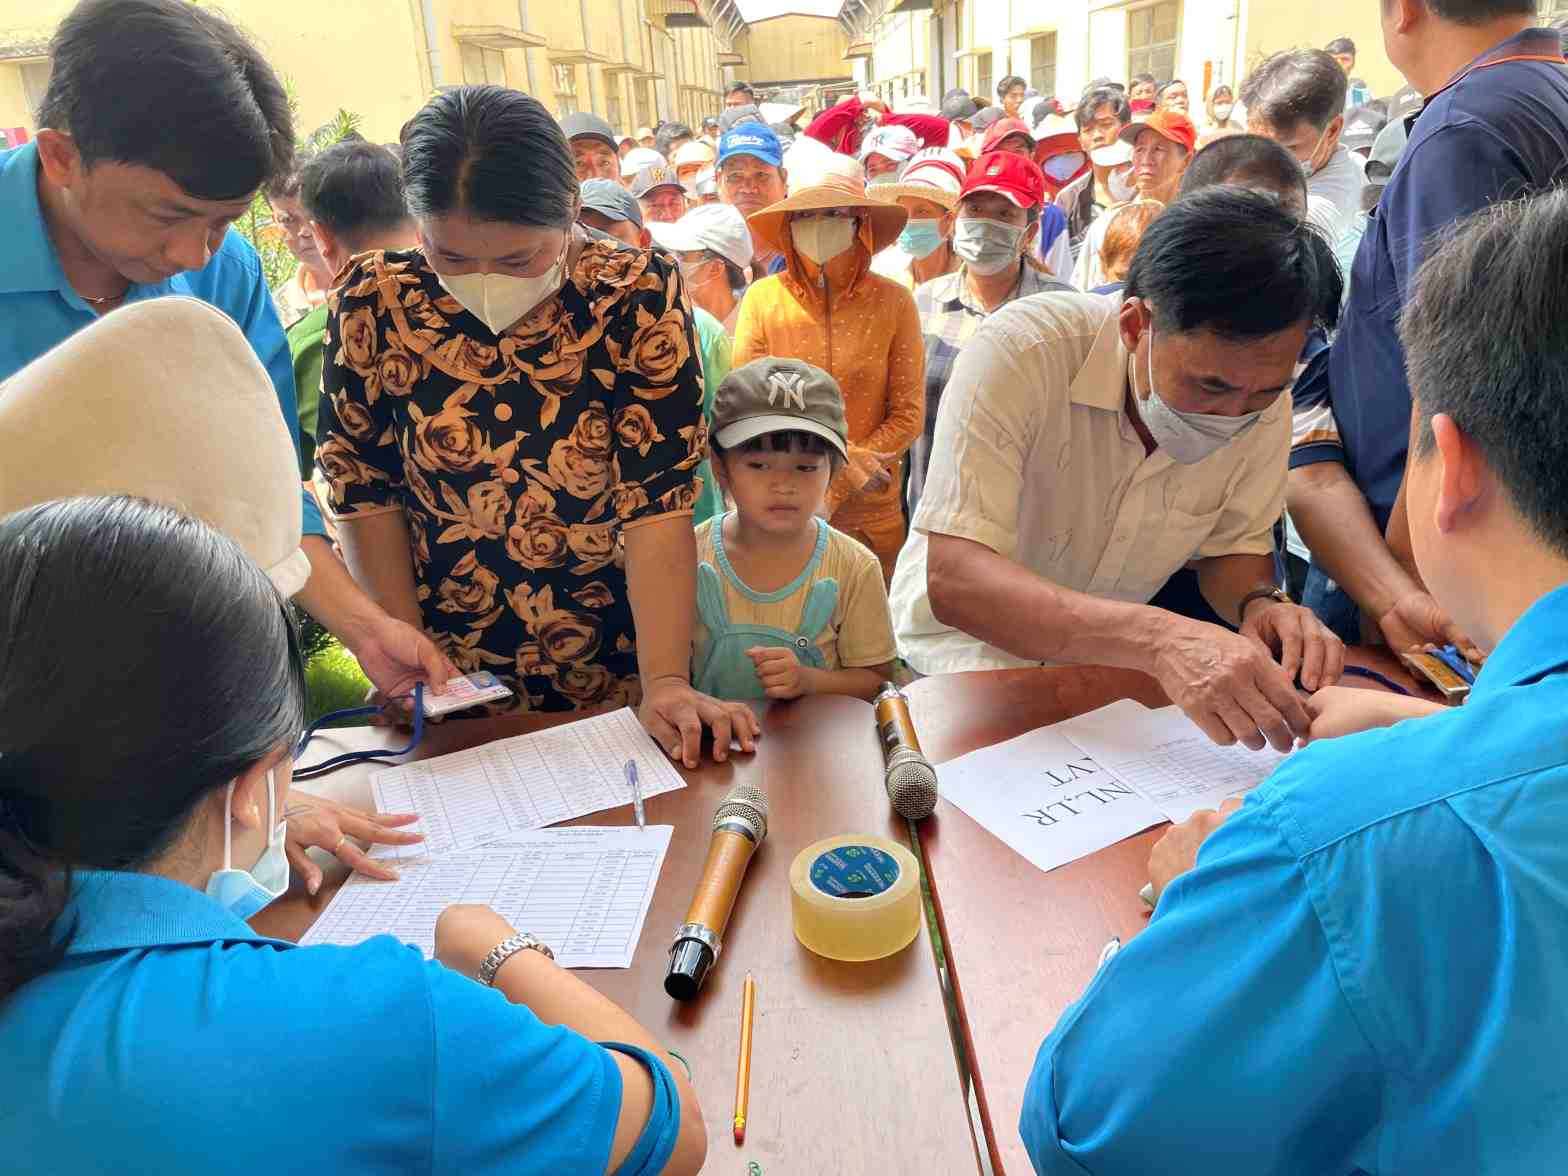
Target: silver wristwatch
504,951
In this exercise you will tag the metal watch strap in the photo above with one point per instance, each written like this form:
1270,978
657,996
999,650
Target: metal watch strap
504,951
1273,592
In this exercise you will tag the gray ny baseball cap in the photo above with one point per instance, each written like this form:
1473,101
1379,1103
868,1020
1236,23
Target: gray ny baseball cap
774,395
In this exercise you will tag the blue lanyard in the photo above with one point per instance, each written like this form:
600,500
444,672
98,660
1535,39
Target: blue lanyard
379,756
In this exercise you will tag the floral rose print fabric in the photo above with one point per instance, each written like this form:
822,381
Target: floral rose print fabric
518,461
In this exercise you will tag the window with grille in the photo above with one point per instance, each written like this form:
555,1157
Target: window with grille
1151,40
1551,10
481,65
612,105
985,77
1042,63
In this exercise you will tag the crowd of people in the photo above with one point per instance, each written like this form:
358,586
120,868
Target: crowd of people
691,418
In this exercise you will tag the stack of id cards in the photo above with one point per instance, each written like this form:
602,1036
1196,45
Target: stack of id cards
462,693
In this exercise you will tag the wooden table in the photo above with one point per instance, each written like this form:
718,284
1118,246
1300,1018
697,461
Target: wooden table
1022,943
852,1065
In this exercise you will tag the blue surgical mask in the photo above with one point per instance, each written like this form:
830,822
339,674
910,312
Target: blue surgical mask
1188,437
921,238
244,892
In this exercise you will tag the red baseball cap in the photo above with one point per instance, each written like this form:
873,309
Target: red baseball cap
1004,128
1014,176
1168,124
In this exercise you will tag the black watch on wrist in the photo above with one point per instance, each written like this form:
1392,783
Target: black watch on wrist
1272,591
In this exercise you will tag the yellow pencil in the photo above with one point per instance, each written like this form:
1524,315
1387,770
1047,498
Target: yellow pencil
748,1000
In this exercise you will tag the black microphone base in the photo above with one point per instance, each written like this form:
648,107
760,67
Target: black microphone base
690,960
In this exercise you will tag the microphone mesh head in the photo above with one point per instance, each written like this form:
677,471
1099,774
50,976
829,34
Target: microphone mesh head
911,784
745,803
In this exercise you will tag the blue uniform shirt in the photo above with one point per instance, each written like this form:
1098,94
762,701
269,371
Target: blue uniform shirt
173,1039
1497,132
38,308
1364,973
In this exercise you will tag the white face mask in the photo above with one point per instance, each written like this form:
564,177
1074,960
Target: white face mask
244,892
822,238
1188,437
987,246
1112,154
499,300
1063,167
1222,111
1121,185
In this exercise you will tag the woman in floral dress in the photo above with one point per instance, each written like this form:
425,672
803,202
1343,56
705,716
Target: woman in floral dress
510,425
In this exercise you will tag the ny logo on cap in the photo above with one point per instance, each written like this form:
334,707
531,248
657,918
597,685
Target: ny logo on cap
994,170
791,386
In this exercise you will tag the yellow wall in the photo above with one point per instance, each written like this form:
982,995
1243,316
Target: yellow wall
371,56
1286,24
794,48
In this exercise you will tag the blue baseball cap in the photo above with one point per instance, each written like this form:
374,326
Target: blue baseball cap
754,139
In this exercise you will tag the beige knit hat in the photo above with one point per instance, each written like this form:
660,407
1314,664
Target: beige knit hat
164,400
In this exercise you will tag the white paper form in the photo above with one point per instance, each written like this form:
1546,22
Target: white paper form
584,891
472,797
1164,756
1042,796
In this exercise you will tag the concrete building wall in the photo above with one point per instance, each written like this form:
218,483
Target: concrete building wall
382,58
793,49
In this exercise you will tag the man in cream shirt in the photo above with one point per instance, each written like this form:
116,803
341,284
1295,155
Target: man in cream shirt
1087,447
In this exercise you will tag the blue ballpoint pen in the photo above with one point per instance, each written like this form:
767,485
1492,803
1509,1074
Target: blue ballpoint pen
635,782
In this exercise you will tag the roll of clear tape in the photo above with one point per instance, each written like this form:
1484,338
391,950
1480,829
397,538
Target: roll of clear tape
855,897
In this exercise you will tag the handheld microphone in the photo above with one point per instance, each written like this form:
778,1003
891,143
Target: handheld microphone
908,775
739,826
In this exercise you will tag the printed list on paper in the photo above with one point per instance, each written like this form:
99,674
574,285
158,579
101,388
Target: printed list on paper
584,891
513,785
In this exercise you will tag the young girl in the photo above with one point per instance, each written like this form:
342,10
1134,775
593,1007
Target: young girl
786,605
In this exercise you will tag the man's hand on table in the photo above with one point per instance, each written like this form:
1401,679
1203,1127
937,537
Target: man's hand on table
315,822
1229,685
676,714
1177,852
1302,644
395,656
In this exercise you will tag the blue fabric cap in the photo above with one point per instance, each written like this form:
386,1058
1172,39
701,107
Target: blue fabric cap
752,139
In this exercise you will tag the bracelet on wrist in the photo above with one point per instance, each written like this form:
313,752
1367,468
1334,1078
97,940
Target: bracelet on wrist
504,951
1269,592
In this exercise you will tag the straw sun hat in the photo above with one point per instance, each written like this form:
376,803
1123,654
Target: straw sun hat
834,191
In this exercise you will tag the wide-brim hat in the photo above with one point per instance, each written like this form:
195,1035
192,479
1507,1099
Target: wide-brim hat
887,220
170,401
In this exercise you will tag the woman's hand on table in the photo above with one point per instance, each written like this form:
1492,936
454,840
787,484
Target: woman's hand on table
318,823
675,713
1177,852
466,933
1345,710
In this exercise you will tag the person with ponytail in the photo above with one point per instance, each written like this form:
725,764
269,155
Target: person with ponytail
151,693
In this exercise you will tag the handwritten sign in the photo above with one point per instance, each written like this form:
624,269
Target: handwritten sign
1043,797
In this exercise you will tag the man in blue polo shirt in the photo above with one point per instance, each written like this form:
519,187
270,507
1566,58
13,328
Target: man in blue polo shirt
1495,126
751,177
121,199
1363,970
